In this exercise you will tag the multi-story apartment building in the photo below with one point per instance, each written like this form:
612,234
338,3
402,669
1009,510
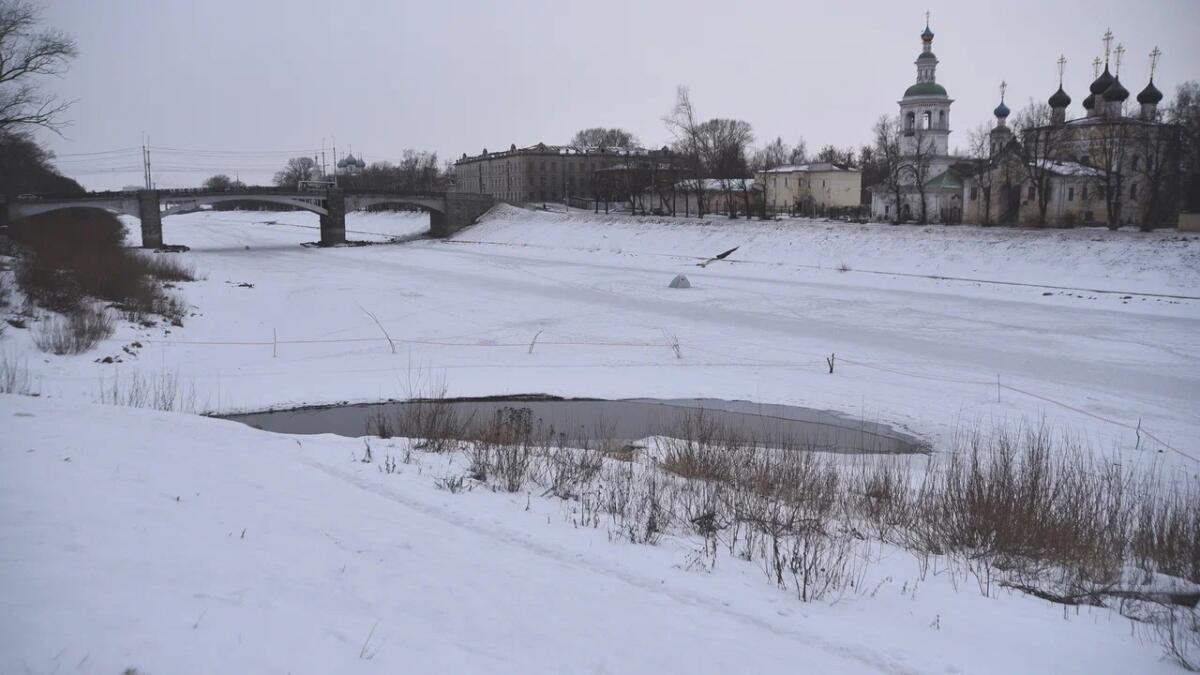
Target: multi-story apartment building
539,173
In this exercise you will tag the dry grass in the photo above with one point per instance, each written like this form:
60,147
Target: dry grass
1017,506
164,391
14,375
74,333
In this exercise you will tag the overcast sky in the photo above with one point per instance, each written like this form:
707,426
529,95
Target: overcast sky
263,78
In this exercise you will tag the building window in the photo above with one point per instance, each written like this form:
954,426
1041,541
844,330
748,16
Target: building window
1083,194
927,120
942,119
1133,191
1136,162
1070,194
974,193
910,121
1032,192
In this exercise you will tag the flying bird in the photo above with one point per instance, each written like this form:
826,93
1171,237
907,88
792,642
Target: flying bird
720,256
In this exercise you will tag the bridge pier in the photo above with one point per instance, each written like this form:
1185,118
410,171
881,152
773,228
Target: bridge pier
150,214
461,210
333,225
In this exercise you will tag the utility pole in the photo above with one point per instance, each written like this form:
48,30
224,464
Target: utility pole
334,161
146,161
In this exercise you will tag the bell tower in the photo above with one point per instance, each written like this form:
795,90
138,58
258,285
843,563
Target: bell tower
925,107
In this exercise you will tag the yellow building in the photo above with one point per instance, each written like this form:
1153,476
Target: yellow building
808,188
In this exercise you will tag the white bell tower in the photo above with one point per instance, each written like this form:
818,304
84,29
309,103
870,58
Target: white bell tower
925,108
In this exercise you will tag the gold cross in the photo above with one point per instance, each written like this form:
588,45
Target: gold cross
1062,65
1096,67
1108,38
1003,87
1120,52
1154,60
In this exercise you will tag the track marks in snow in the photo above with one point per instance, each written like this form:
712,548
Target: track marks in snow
494,531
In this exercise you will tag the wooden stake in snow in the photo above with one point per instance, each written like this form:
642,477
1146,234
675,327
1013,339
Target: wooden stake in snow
829,360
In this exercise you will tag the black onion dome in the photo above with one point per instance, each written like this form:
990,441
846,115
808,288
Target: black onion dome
1150,94
1060,99
927,35
1102,83
1117,92
1089,102
1001,110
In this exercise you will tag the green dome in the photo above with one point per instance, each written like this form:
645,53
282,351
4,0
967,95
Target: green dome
925,89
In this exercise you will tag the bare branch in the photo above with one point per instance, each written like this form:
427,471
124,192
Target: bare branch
28,52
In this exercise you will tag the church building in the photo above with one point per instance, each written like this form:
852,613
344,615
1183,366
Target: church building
1116,165
930,186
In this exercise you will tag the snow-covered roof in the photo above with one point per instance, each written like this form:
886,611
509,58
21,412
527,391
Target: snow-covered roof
811,167
1062,168
544,149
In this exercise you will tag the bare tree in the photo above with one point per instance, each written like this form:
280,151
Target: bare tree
836,155
980,144
602,137
888,159
772,155
917,167
1155,165
1112,146
799,153
727,141
716,148
1041,145
26,52
688,142
1184,112
221,182
298,169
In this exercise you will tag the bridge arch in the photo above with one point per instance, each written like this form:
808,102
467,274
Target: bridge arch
28,209
448,211
189,204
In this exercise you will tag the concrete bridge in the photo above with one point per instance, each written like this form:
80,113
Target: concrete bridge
448,212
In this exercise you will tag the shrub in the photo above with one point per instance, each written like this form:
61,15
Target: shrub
74,333
165,268
70,255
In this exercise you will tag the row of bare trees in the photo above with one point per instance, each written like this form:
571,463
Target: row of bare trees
716,149
416,171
